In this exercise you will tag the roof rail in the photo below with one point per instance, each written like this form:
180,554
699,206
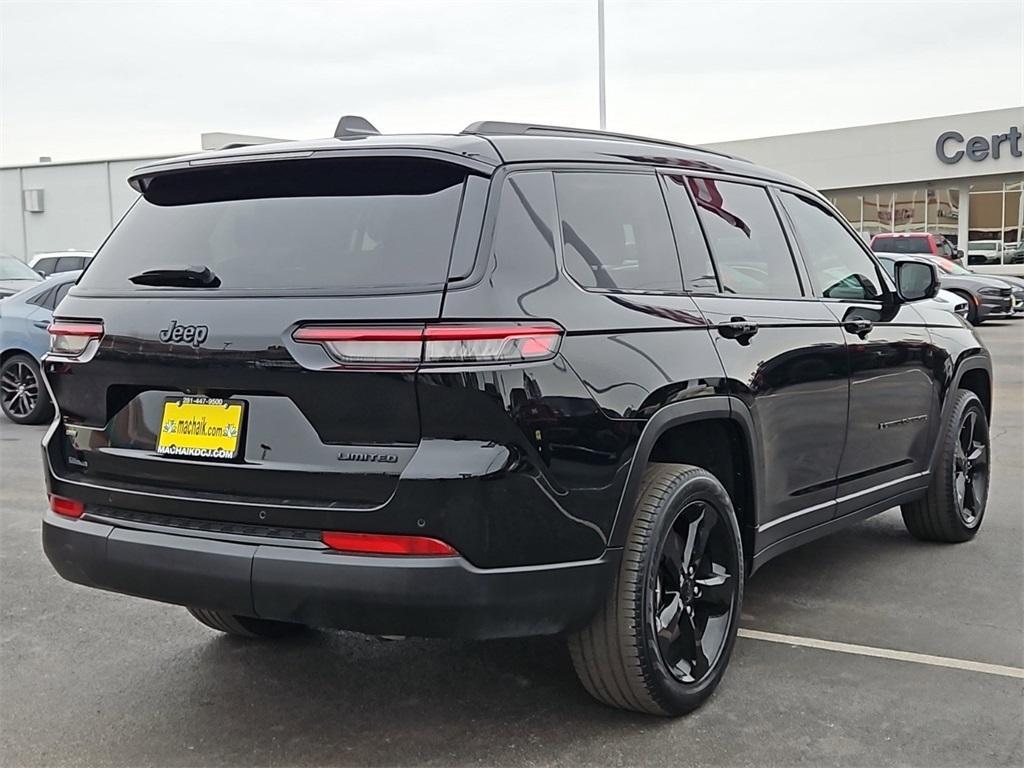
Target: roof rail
491,127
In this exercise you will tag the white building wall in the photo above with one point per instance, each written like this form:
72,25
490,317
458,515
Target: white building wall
12,226
81,201
889,153
76,203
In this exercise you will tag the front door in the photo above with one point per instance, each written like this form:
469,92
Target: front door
893,392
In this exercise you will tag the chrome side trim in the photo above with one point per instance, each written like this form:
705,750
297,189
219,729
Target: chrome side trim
840,500
793,515
874,488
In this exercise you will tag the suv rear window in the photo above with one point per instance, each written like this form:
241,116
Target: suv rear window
326,226
901,245
615,232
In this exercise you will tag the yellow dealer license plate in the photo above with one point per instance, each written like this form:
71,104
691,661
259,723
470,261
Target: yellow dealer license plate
201,427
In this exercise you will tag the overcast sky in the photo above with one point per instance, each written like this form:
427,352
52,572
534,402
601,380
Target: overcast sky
104,79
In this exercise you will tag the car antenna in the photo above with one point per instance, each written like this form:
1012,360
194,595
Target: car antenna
354,126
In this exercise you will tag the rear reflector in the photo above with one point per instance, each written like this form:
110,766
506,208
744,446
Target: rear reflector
66,507
71,339
383,544
433,345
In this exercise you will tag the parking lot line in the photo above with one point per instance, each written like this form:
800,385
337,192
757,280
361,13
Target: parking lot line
884,653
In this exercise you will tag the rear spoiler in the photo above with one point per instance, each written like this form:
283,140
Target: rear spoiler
141,176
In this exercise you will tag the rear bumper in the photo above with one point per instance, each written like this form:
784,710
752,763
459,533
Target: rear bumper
438,597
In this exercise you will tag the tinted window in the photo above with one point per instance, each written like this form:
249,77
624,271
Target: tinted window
698,273
45,266
900,245
42,298
311,225
615,232
59,294
68,263
746,239
838,267
525,231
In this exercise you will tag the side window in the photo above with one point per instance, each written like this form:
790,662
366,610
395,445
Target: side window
68,263
615,232
525,230
838,266
45,266
746,239
59,294
889,266
42,298
698,272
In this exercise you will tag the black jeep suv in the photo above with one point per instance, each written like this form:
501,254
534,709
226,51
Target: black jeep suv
521,380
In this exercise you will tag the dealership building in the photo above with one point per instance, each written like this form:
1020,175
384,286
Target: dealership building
960,176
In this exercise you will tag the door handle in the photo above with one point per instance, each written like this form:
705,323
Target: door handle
859,327
739,328
41,323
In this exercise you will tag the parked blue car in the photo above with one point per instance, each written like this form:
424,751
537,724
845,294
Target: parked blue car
24,318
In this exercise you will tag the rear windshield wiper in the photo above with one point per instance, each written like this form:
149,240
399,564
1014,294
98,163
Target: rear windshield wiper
192,276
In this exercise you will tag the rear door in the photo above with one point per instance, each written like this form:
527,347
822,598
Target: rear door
782,350
352,244
893,387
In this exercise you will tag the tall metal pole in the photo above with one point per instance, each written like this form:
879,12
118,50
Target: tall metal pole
600,63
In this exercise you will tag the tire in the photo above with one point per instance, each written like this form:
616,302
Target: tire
625,657
972,308
245,626
23,395
954,506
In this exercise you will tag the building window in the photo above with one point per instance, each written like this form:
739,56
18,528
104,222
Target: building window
995,222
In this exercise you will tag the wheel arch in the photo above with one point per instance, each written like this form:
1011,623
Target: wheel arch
730,450
10,352
973,373
977,378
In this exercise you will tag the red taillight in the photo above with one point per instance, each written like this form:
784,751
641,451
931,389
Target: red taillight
66,507
373,347
384,544
490,343
435,345
72,339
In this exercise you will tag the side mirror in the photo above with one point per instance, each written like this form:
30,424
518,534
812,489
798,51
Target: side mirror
958,255
916,280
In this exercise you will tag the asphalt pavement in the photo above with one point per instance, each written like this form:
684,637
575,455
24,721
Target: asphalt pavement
94,679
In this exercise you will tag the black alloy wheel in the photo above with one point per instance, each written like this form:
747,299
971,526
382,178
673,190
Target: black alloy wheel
970,468
954,505
661,642
694,590
23,396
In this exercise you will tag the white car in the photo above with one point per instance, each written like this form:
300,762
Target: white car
52,262
984,252
949,301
